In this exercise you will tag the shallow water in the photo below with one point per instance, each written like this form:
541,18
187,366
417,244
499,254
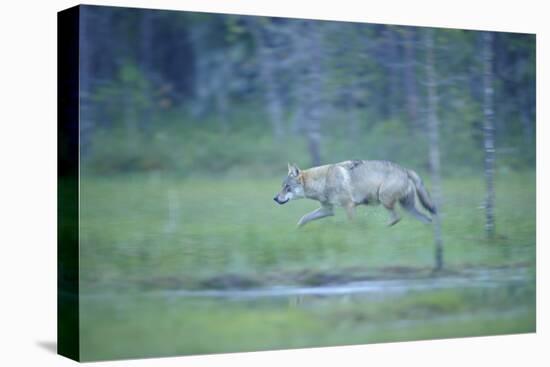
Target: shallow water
475,302
471,279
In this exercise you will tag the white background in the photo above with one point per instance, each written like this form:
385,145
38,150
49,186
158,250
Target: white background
28,182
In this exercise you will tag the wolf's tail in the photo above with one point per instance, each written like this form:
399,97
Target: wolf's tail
422,192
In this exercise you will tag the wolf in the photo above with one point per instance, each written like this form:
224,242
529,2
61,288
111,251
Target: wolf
352,183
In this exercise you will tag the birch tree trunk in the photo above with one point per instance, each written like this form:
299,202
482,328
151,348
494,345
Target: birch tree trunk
267,66
392,53
488,134
220,90
212,71
526,124
433,136
145,59
85,75
201,66
410,79
353,115
313,126
309,86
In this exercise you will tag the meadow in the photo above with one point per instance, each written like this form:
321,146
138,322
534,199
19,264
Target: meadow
140,326
137,230
146,233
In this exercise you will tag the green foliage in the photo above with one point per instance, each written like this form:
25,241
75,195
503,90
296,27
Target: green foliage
126,97
176,144
127,150
202,149
367,71
209,62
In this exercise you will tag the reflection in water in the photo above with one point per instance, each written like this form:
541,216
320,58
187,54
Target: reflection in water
486,278
211,321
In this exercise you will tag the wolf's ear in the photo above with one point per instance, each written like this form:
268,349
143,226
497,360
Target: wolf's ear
293,170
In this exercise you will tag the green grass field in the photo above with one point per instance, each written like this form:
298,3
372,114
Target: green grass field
139,326
137,230
144,233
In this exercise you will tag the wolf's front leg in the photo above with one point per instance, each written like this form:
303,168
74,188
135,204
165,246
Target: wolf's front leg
324,211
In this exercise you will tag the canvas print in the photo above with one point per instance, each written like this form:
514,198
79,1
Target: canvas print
235,183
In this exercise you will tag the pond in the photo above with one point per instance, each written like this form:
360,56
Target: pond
177,322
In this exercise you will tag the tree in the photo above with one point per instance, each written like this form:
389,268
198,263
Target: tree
309,85
212,68
85,76
433,135
146,30
488,134
409,77
267,65
350,90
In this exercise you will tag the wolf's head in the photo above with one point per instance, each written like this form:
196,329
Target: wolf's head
292,187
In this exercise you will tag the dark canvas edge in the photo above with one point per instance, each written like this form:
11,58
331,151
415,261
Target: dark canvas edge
68,344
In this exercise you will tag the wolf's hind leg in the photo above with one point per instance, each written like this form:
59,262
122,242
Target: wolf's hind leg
394,216
386,198
350,210
386,195
407,203
324,211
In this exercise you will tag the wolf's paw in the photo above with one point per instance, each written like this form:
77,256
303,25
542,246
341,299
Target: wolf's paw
393,222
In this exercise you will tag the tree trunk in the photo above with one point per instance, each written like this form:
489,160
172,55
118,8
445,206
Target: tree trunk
526,125
353,116
267,66
145,59
410,80
201,66
309,86
433,135
527,122
391,55
488,133
221,92
85,75
313,125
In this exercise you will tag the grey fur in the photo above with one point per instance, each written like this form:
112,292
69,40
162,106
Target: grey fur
358,182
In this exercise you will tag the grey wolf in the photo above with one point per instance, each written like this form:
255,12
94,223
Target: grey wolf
357,182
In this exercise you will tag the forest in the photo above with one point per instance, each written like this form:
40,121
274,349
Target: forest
187,123
236,86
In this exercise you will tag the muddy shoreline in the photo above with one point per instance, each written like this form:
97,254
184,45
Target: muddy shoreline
391,279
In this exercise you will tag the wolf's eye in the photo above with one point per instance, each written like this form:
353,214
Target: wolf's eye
287,188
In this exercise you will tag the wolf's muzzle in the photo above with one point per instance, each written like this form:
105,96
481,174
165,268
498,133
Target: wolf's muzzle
276,198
